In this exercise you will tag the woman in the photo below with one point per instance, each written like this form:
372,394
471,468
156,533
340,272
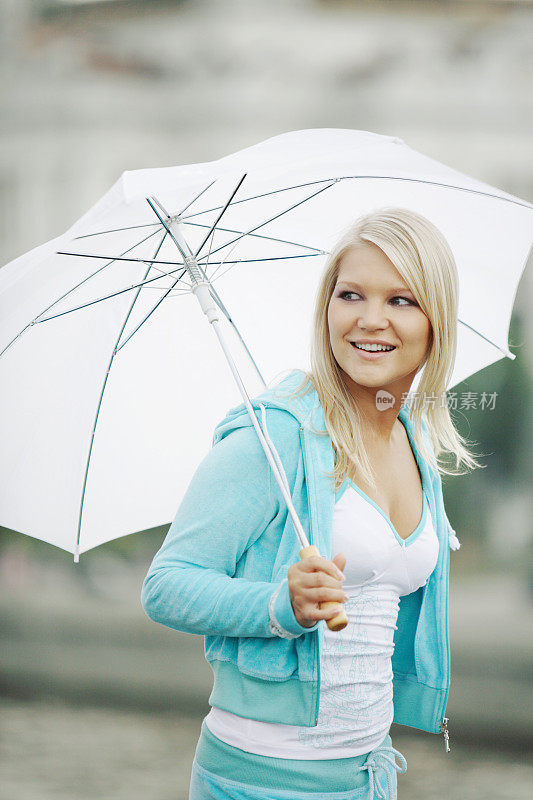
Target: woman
299,711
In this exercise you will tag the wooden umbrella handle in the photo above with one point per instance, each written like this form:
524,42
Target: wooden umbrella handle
341,620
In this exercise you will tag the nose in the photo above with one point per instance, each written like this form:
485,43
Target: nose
372,316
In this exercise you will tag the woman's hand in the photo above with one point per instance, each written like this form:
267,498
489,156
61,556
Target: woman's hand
312,581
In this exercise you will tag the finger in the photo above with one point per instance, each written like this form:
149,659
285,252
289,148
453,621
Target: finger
340,561
317,563
313,579
323,594
323,613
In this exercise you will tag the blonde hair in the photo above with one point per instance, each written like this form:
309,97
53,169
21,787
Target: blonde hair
422,256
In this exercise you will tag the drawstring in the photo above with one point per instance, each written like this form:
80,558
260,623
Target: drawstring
388,755
273,450
453,541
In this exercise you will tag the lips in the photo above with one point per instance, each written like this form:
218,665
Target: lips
361,350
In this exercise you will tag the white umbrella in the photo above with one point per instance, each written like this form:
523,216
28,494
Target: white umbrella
111,380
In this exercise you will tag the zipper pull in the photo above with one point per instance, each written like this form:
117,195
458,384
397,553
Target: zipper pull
444,730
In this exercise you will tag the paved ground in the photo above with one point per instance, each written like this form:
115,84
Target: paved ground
57,752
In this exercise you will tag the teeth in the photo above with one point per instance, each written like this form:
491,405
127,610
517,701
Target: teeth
373,348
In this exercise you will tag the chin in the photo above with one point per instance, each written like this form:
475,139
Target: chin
366,381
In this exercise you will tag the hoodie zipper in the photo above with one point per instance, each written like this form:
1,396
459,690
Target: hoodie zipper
445,720
444,731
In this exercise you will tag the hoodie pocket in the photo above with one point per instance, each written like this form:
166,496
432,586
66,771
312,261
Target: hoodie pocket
271,659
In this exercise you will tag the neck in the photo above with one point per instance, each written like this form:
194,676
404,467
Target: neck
379,419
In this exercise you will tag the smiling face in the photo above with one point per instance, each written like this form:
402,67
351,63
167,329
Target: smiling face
371,302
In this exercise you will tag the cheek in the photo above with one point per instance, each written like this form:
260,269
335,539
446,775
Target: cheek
418,331
334,333
339,318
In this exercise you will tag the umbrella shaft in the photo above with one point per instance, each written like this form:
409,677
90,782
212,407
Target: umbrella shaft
212,313
200,288
195,273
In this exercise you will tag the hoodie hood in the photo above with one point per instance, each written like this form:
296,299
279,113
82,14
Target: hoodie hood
305,407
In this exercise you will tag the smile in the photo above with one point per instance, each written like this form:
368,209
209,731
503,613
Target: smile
371,354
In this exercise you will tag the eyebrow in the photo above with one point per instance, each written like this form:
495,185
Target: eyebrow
357,286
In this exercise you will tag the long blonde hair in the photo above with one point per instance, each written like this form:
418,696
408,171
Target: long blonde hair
422,256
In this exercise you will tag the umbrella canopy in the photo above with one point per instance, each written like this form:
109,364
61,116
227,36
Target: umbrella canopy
112,381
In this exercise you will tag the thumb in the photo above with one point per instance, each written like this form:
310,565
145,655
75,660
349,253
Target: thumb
340,561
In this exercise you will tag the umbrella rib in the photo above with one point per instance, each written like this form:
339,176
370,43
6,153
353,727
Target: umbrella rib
299,186
156,306
506,353
36,320
113,294
148,315
167,274
117,230
99,405
272,258
171,288
213,227
166,227
220,264
164,273
436,183
216,274
259,196
196,198
213,291
146,224
260,236
276,216
376,177
111,259
334,180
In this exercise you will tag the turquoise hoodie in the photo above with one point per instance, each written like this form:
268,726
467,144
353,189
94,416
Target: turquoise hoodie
222,570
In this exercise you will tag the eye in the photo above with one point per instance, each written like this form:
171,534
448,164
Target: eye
343,294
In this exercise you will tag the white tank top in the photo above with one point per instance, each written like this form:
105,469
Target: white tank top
356,708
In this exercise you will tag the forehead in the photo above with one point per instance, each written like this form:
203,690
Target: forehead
367,262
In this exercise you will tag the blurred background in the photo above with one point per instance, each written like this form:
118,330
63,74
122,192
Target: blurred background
96,700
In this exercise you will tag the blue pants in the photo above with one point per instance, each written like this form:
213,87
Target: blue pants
223,772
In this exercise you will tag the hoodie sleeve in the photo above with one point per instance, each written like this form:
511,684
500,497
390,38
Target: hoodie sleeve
190,584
